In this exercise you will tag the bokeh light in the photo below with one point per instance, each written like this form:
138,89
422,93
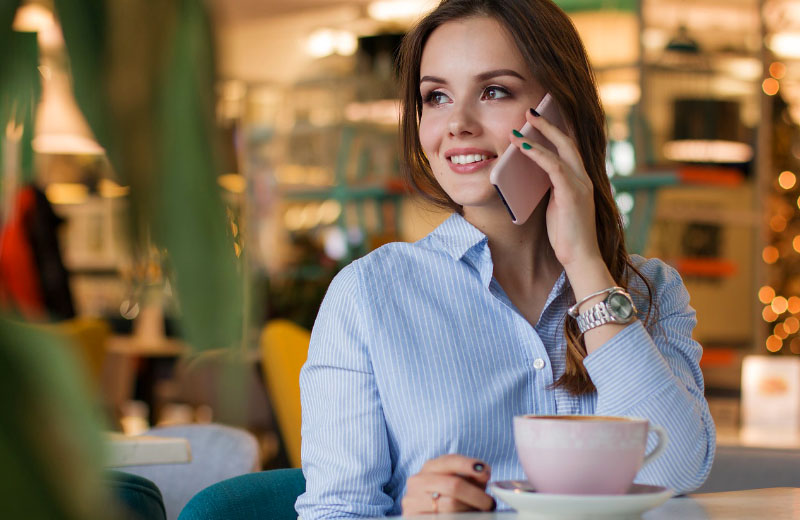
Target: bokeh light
780,305
774,343
794,304
787,180
768,314
770,86
780,331
794,346
791,325
770,254
766,294
777,70
777,223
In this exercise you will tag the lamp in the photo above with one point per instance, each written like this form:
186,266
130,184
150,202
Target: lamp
60,127
707,131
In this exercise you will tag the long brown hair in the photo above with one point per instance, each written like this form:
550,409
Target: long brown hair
550,45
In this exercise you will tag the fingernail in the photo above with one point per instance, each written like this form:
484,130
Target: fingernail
478,467
526,146
534,112
516,133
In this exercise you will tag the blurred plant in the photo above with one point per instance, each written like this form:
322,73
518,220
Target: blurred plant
143,75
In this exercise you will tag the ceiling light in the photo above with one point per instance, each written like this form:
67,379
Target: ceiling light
619,94
232,182
398,10
33,18
707,151
66,193
109,189
785,44
324,42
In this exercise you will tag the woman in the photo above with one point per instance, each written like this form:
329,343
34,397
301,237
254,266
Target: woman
422,353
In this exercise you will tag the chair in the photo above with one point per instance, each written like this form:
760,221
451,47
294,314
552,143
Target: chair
268,495
88,336
737,468
218,453
284,349
137,497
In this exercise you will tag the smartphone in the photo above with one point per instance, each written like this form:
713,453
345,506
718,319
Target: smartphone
520,182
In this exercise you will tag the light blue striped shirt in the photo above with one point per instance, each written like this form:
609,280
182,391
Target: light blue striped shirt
418,352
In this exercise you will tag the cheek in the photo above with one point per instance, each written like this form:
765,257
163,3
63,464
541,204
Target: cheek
430,135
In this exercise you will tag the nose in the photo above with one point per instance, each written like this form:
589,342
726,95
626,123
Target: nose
463,122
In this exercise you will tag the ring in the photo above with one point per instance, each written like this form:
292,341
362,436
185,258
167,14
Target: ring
435,501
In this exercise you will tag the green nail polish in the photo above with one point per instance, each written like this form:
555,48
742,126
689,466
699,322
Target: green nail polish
518,134
526,146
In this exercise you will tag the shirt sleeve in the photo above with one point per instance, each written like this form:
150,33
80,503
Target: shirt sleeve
656,374
345,450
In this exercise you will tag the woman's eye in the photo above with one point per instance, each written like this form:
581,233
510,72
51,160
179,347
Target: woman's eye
495,93
436,98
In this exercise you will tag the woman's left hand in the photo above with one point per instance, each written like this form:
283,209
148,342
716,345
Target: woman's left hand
571,224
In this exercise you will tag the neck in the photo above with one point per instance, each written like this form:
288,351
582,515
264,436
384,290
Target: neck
521,255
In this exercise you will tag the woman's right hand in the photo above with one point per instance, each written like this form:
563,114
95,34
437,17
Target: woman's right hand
450,483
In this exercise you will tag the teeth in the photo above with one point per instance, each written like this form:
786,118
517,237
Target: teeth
467,159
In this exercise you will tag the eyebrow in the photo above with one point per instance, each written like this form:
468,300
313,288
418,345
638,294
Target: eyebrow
483,76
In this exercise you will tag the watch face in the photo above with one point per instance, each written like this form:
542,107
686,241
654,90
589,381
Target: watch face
620,306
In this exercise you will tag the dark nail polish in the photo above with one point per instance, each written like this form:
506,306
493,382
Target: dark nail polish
534,112
516,133
494,505
479,467
526,146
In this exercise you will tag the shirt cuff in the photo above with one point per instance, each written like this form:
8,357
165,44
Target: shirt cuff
626,370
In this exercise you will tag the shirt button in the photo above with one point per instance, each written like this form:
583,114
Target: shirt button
538,364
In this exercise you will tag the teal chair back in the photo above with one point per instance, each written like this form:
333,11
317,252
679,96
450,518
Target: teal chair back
137,497
267,495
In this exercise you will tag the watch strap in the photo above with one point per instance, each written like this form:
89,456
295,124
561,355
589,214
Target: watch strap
594,317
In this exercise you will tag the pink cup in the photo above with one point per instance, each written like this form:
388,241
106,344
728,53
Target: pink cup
584,454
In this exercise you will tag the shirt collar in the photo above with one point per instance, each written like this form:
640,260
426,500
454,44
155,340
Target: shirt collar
458,237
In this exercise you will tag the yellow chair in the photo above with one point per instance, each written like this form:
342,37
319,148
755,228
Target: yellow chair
284,349
89,337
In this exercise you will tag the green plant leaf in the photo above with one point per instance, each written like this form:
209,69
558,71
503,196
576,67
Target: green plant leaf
191,219
50,440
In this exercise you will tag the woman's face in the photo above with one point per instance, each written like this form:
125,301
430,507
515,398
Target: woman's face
475,88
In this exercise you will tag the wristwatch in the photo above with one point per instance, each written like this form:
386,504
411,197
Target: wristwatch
618,307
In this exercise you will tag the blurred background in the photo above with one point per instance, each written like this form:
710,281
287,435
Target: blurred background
702,101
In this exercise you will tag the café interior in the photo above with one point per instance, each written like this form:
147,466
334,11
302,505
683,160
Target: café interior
182,180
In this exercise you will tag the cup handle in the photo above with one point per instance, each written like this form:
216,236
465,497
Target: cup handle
663,438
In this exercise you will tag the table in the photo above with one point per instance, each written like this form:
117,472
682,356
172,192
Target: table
752,504
124,354
136,450
759,438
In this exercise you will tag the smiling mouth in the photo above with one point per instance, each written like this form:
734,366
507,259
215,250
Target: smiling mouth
469,158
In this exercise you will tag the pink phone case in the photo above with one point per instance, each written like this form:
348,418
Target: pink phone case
520,182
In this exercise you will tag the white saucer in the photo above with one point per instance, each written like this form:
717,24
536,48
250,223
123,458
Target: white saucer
522,497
